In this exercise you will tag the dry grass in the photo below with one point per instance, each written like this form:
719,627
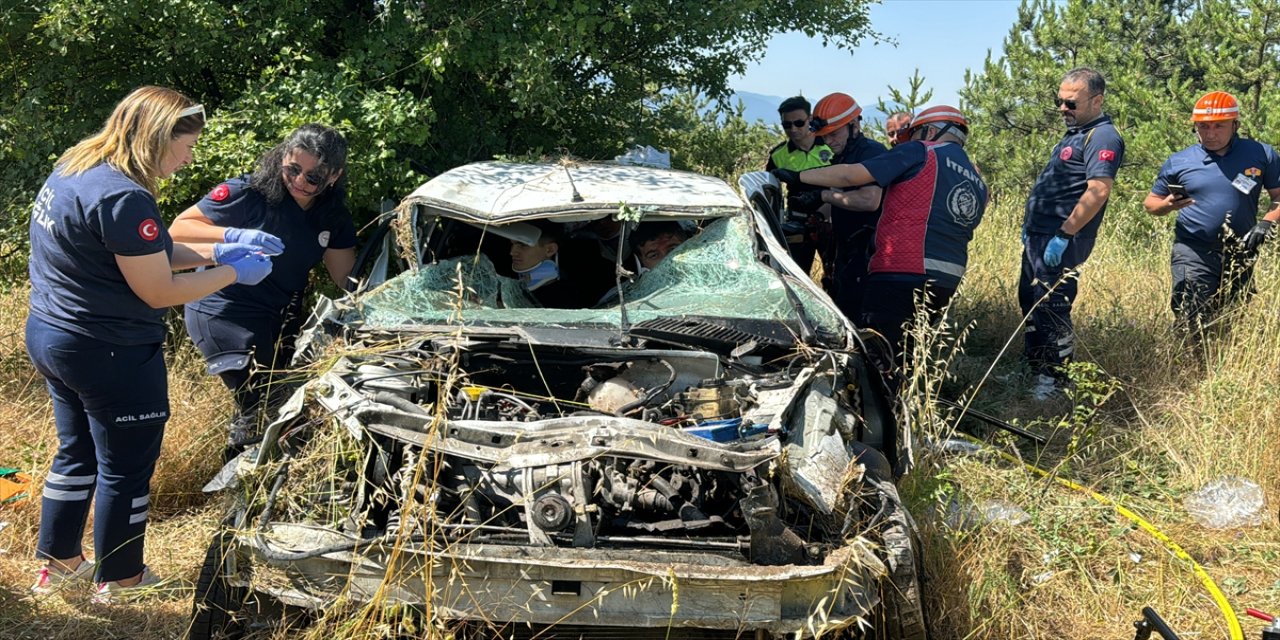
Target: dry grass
1072,569
1176,420
182,518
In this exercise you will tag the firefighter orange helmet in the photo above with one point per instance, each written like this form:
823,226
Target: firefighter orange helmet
834,111
945,118
1216,105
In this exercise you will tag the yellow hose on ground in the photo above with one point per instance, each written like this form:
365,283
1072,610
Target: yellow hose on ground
1233,622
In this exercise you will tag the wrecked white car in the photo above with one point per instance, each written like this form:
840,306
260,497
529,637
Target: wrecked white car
703,453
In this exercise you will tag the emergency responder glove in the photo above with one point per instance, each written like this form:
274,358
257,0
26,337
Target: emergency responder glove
268,243
787,176
251,268
1057,245
228,252
808,201
1257,235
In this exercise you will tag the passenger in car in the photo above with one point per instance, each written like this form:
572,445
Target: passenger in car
537,266
294,207
652,241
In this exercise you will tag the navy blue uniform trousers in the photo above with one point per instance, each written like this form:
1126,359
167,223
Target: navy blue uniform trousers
1204,280
110,405
891,301
1047,294
243,351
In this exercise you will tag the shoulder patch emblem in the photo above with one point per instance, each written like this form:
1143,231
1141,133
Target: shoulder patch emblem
824,155
1106,155
323,239
220,193
149,230
1065,154
1253,172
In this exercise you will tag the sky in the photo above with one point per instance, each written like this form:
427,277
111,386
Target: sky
940,37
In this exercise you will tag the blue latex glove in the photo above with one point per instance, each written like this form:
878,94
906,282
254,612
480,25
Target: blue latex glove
268,243
228,252
1053,251
251,268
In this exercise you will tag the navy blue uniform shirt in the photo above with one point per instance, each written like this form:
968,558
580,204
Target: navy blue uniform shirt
307,234
843,221
79,224
934,199
1209,181
1092,150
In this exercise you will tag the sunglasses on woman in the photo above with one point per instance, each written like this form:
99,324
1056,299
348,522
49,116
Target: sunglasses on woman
313,178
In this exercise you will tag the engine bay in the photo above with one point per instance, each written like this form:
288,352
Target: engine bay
499,442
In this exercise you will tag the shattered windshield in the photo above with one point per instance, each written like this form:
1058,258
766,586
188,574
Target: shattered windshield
714,274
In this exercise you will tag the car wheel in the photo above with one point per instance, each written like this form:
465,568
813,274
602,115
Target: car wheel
216,602
902,611
900,615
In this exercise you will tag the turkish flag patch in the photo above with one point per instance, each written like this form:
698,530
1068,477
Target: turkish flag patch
1106,155
149,230
220,193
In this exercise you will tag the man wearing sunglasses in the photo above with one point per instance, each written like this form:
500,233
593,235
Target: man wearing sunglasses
1061,222
801,150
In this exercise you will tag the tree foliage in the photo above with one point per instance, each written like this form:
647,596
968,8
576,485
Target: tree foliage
1158,57
418,87
917,94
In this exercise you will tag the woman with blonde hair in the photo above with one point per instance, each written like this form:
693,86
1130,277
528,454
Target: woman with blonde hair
102,274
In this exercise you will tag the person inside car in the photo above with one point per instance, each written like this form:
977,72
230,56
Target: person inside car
652,241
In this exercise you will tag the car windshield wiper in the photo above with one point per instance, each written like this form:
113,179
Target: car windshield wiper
807,334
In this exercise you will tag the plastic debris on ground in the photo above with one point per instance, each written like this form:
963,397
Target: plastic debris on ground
964,515
956,446
1227,503
13,485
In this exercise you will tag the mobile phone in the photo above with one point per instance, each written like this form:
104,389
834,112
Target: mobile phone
1179,192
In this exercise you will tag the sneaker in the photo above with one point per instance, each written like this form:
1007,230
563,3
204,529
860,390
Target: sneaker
1045,387
115,593
51,579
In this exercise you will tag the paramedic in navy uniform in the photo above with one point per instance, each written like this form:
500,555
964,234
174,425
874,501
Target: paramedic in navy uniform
294,205
101,278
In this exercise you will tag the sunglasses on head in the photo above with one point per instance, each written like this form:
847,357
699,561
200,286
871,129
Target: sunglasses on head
795,124
292,171
1070,104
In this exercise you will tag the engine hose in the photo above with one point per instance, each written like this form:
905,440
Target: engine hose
651,394
1229,614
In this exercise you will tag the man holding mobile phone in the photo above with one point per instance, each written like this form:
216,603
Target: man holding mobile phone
1215,186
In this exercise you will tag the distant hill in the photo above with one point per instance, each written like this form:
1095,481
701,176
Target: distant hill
762,107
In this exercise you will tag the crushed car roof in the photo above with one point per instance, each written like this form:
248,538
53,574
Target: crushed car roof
500,192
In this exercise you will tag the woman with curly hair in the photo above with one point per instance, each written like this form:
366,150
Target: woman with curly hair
294,207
